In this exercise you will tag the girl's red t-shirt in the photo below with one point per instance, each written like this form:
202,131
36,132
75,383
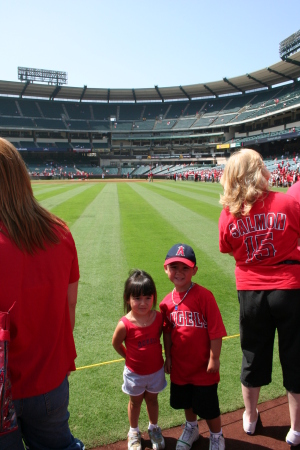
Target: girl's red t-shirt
143,347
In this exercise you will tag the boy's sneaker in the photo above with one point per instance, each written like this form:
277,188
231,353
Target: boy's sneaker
216,442
188,437
292,438
134,440
157,438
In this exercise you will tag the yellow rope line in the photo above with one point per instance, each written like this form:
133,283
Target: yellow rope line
122,359
100,364
230,337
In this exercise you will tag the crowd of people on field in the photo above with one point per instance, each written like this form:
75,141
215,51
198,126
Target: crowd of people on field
61,172
285,173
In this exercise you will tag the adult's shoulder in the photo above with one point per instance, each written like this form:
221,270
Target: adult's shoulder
294,191
224,216
281,197
63,231
225,212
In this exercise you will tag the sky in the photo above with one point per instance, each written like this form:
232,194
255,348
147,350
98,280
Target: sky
144,43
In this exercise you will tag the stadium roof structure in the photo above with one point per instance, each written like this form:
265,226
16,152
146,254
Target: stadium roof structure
281,72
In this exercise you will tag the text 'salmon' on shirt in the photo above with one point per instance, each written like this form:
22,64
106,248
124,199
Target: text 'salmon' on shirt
264,243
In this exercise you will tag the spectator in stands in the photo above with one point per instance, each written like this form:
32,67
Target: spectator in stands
260,229
39,272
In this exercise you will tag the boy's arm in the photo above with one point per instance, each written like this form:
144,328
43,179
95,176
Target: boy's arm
118,339
167,346
214,357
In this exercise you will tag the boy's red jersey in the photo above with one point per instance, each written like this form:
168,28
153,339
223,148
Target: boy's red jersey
196,322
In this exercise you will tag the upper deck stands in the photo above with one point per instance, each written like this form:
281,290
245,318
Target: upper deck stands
195,107
155,110
98,125
141,125
29,108
16,122
176,109
165,124
204,122
103,111
127,112
8,107
184,123
77,110
51,109
37,114
50,124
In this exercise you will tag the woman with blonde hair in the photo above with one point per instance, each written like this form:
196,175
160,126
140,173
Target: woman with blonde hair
39,275
260,229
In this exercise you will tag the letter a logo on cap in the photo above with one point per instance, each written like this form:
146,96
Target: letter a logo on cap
180,251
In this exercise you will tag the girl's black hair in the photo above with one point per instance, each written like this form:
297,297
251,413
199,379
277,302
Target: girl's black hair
138,283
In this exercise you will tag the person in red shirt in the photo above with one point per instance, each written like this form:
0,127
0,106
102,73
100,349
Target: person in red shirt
39,272
260,229
140,330
192,318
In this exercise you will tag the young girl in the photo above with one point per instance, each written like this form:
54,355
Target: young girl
143,375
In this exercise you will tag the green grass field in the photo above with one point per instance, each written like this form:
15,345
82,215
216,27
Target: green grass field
118,226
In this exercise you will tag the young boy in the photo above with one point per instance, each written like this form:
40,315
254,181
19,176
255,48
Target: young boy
193,331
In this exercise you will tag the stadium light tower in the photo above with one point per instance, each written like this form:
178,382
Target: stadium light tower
42,75
289,45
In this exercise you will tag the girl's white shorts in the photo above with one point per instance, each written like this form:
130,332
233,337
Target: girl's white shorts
135,384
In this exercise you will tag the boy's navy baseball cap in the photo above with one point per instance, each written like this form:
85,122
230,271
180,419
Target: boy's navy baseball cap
182,253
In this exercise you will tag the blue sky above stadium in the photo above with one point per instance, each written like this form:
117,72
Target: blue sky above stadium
140,44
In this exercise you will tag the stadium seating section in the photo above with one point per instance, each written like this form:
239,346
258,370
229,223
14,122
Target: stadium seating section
157,116
139,129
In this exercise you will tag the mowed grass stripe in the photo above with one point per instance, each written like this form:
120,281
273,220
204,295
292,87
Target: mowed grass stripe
55,200
97,393
212,200
200,185
39,191
146,236
205,209
103,270
197,228
75,207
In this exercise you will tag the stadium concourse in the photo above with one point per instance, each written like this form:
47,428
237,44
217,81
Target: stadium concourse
271,430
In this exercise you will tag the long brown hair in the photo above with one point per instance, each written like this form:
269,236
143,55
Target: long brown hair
28,224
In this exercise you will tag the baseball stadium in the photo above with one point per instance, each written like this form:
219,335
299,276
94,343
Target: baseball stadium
133,171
